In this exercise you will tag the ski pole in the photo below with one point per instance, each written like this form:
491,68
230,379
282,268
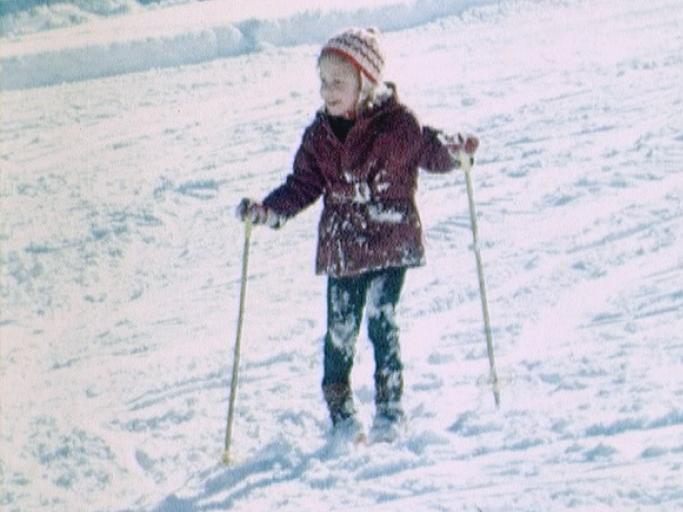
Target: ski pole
238,337
466,163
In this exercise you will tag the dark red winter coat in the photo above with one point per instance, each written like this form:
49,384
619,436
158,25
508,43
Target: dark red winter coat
368,183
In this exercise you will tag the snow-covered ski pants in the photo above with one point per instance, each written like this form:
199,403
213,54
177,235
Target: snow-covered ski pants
378,293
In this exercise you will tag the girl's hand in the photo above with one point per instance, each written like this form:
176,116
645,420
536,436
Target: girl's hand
256,213
471,144
250,210
458,142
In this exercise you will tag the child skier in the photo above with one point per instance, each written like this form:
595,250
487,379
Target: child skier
361,154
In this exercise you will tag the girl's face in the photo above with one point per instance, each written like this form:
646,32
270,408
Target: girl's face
339,86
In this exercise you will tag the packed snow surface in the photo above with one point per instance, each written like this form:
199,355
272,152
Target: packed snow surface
193,32
120,262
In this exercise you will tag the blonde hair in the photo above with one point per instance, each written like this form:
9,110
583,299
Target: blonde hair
370,93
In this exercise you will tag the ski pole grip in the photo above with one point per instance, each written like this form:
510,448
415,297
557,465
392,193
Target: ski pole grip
466,160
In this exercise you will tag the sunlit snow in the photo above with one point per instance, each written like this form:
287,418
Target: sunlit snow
127,140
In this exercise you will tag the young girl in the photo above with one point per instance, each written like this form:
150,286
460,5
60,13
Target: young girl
361,154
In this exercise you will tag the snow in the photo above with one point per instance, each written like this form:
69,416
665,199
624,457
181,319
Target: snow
192,33
121,259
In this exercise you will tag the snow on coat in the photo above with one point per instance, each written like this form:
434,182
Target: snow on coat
368,183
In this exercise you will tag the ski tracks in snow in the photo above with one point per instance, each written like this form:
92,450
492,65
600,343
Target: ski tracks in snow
580,194
120,269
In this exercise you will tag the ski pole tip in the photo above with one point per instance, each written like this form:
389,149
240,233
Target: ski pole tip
496,394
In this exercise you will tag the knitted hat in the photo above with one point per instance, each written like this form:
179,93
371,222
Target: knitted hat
361,46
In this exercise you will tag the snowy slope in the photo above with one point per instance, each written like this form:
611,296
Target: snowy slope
120,263
193,32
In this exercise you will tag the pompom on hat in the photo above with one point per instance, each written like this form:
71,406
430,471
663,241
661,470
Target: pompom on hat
361,47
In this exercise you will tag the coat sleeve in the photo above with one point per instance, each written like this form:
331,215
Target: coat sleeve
302,187
434,156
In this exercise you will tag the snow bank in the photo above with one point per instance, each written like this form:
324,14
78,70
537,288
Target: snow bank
13,10
127,44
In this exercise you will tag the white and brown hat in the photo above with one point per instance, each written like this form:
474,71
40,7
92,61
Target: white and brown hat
361,46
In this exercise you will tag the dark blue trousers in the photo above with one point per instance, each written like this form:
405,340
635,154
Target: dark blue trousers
377,293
